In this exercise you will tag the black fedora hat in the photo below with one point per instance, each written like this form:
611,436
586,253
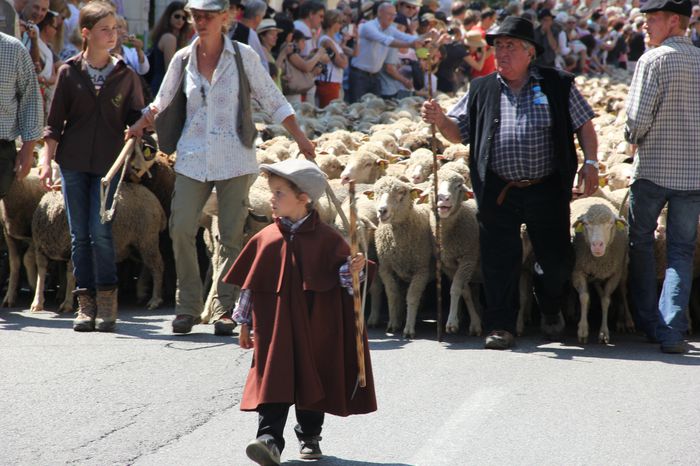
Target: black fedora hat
518,28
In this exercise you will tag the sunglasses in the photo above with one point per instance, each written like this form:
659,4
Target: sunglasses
203,16
179,16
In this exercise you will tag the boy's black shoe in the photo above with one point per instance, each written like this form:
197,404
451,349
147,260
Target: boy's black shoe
264,452
309,449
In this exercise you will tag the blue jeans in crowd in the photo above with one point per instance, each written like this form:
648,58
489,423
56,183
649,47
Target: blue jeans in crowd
92,247
662,318
361,83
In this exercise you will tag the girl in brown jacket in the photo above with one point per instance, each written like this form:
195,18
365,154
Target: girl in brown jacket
96,97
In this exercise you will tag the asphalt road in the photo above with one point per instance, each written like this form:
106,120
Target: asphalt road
143,396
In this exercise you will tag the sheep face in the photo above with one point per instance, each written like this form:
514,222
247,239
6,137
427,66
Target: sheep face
365,168
598,226
393,199
451,193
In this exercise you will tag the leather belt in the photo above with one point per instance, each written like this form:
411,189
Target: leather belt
366,73
516,184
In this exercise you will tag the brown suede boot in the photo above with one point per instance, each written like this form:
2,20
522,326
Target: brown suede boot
85,321
106,318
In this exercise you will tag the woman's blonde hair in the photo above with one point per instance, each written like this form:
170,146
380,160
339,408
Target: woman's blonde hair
92,13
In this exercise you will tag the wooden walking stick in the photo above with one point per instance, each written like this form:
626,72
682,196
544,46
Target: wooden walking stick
356,295
438,229
122,163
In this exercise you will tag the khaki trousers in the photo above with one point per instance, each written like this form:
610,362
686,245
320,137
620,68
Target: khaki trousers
189,197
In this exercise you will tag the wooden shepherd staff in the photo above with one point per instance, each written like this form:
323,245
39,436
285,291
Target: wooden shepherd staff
438,229
356,294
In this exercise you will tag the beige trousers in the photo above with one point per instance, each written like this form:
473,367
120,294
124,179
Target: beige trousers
188,201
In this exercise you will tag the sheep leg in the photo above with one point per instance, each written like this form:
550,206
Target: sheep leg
42,264
625,322
604,334
67,304
581,286
150,254
142,284
460,289
415,291
29,262
14,260
375,292
393,295
525,290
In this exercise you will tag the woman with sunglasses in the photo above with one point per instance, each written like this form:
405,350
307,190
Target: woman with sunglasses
171,33
215,149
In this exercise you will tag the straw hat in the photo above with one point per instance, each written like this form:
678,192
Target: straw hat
474,40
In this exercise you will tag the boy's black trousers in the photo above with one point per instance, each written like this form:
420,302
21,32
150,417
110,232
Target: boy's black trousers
272,418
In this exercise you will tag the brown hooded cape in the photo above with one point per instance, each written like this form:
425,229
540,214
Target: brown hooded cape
303,321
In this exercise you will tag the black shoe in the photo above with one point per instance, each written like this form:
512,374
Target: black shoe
552,326
224,326
264,452
309,449
183,323
499,340
677,347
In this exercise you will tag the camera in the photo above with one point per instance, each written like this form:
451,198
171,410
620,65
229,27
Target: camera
330,52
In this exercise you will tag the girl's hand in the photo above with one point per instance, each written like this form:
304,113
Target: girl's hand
356,263
244,339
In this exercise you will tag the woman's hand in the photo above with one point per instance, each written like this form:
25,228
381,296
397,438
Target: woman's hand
244,339
146,121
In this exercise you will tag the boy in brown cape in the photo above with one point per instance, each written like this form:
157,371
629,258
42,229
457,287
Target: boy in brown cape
292,276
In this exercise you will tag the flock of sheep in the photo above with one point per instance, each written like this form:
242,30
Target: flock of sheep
385,148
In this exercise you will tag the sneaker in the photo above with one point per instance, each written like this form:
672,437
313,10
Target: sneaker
309,449
552,326
85,320
499,340
106,318
183,323
264,452
224,326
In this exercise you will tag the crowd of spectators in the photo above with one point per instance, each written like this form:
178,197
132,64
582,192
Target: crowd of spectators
316,54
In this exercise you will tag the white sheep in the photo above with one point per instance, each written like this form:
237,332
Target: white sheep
364,167
330,165
460,245
404,248
16,210
600,246
138,221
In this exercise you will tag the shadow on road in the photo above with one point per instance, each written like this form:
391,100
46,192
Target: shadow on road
334,461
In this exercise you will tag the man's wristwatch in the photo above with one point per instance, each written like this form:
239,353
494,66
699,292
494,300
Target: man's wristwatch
594,163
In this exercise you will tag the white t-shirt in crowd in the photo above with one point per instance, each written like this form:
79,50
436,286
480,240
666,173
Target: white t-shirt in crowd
333,73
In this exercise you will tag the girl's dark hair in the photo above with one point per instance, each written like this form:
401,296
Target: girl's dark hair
298,35
163,26
92,13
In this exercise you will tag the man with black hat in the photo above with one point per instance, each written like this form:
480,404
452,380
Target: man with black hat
662,114
520,124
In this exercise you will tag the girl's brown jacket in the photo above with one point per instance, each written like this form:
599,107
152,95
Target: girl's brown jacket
89,127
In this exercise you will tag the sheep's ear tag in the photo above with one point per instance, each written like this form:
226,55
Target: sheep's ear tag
382,163
620,225
578,227
369,194
603,181
468,194
415,193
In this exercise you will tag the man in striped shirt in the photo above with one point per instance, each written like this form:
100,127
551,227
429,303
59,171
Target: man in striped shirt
662,114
